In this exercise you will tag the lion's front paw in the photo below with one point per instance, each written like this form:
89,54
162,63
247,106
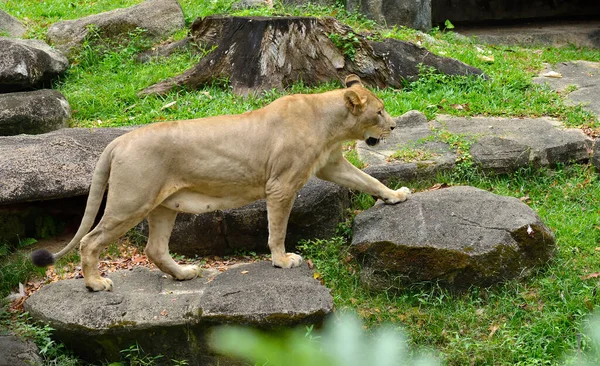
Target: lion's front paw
400,195
289,260
188,273
99,284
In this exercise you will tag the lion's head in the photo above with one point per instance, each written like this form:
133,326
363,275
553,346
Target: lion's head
374,123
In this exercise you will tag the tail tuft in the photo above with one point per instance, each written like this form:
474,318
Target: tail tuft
42,258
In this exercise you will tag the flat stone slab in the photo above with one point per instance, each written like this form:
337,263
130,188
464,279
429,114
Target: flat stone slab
498,144
584,75
459,237
57,164
171,317
556,32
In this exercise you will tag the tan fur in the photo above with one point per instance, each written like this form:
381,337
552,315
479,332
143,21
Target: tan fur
223,162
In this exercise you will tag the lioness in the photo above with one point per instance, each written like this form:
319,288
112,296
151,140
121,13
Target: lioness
223,162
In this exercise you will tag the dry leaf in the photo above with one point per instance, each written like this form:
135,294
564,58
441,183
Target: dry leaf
552,74
493,328
244,272
486,58
310,264
591,275
168,105
206,94
164,313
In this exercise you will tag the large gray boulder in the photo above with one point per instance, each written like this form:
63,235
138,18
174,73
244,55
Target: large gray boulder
57,164
15,351
33,112
10,25
172,318
409,13
498,145
319,208
27,64
459,237
158,18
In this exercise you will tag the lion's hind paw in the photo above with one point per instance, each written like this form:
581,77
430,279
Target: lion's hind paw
289,260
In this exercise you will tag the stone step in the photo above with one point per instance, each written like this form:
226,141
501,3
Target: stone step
173,318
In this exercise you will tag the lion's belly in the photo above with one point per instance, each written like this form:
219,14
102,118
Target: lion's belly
198,201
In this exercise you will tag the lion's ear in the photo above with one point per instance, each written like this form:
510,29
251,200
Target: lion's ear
352,80
354,102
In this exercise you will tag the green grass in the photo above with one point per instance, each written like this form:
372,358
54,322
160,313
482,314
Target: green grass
533,322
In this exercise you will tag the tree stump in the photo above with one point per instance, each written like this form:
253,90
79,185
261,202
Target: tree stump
257,54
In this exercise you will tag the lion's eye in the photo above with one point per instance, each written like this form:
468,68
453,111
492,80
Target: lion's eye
380,113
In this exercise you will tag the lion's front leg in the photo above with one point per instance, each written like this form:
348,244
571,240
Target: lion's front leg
279,206
342,172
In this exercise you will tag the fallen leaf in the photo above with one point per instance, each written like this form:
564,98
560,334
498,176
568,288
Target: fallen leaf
168,105
552,74
486,58
525,199
316,275
206,94
591,275
310,264
493,328
164,313
244,272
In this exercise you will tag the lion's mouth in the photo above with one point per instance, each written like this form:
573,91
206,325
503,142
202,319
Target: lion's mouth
372,141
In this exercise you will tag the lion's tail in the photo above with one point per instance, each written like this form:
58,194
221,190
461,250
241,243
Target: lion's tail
42,257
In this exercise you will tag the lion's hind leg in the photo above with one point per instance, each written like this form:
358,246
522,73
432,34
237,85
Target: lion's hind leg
160,223
107,230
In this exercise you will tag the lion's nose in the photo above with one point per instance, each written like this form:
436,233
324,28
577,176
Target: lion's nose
392,127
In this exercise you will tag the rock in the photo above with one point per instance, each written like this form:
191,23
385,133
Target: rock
319,208
157,17
165,50
499,145
556,33
10,25
408,59
33,112
57,164
15,351
549,142
412,14
500,155
27,64
584,75
173,318
459,237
